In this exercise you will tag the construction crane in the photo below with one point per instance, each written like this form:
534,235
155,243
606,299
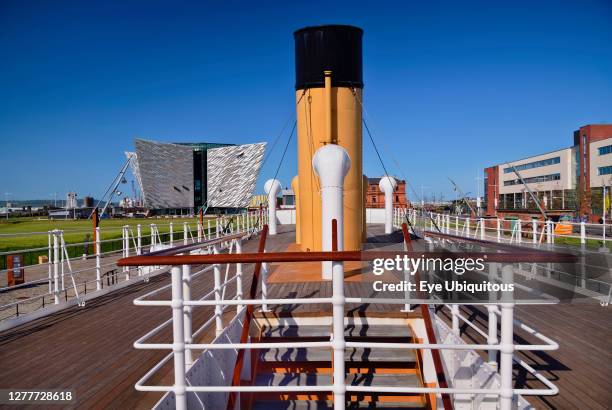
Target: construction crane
535,199
456,188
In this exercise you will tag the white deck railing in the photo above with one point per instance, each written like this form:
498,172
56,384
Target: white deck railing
183,344
67,282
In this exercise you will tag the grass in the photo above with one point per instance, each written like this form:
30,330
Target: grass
32,233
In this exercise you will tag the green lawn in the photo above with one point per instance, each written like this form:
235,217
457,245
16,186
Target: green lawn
33,233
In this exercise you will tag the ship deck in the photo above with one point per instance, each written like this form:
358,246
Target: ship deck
90,349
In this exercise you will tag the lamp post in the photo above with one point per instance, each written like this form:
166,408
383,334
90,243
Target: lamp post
6,195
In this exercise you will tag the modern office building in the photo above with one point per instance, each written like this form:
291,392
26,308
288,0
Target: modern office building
182,177
570,181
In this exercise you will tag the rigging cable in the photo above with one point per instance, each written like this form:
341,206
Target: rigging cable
381,161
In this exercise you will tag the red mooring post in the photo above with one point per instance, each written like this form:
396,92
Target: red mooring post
201,223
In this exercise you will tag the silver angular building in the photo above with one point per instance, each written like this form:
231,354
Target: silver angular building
182,177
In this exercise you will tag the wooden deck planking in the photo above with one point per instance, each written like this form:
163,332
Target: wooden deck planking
91,349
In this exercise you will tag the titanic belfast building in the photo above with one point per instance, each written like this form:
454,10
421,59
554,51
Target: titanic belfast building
177,178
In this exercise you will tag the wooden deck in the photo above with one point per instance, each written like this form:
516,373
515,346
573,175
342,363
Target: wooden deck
90,349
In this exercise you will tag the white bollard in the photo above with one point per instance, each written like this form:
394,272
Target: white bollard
171,234
331,163
272,187
387,185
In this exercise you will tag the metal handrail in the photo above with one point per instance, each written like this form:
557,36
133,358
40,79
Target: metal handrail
259,258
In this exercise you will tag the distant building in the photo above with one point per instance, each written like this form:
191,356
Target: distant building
569,181
177,178
375,198
288,198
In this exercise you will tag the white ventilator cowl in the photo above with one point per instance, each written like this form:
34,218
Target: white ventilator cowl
272,187
387,185
331,163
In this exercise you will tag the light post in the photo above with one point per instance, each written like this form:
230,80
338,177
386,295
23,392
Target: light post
6,195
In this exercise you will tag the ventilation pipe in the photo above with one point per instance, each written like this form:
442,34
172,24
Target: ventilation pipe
331,163
387,185
272,187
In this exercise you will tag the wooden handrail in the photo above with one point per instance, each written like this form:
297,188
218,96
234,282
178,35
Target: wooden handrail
231,403
338,256
431,334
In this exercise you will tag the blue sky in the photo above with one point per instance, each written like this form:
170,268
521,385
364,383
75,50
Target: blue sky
450,87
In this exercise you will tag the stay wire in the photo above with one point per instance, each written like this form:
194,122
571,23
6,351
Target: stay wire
379,156
285,150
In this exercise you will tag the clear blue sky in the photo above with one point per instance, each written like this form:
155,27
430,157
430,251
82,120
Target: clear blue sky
450,87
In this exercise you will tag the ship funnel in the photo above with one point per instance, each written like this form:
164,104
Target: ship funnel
328,83
272,187
387,185
331,164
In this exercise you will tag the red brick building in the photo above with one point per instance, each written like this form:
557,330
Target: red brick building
375,198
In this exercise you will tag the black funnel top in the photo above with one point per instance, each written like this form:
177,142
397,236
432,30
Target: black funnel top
334,47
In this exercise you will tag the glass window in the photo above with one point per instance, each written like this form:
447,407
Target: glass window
541,178
605,150
605,170
535,164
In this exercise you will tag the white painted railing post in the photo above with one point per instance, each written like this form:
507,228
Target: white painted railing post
62,255
178,339
582,233
408,279
56,266
50,261
138,239
187,312
98,250
455,319
239,275
550,232
467,227
264,286
208,229
507,341
171,227
482,228
492,316
126,250
218,307
534,228
498,230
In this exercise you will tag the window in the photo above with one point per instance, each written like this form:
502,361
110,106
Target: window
535,164
605,170
541,178
373,199
605,150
